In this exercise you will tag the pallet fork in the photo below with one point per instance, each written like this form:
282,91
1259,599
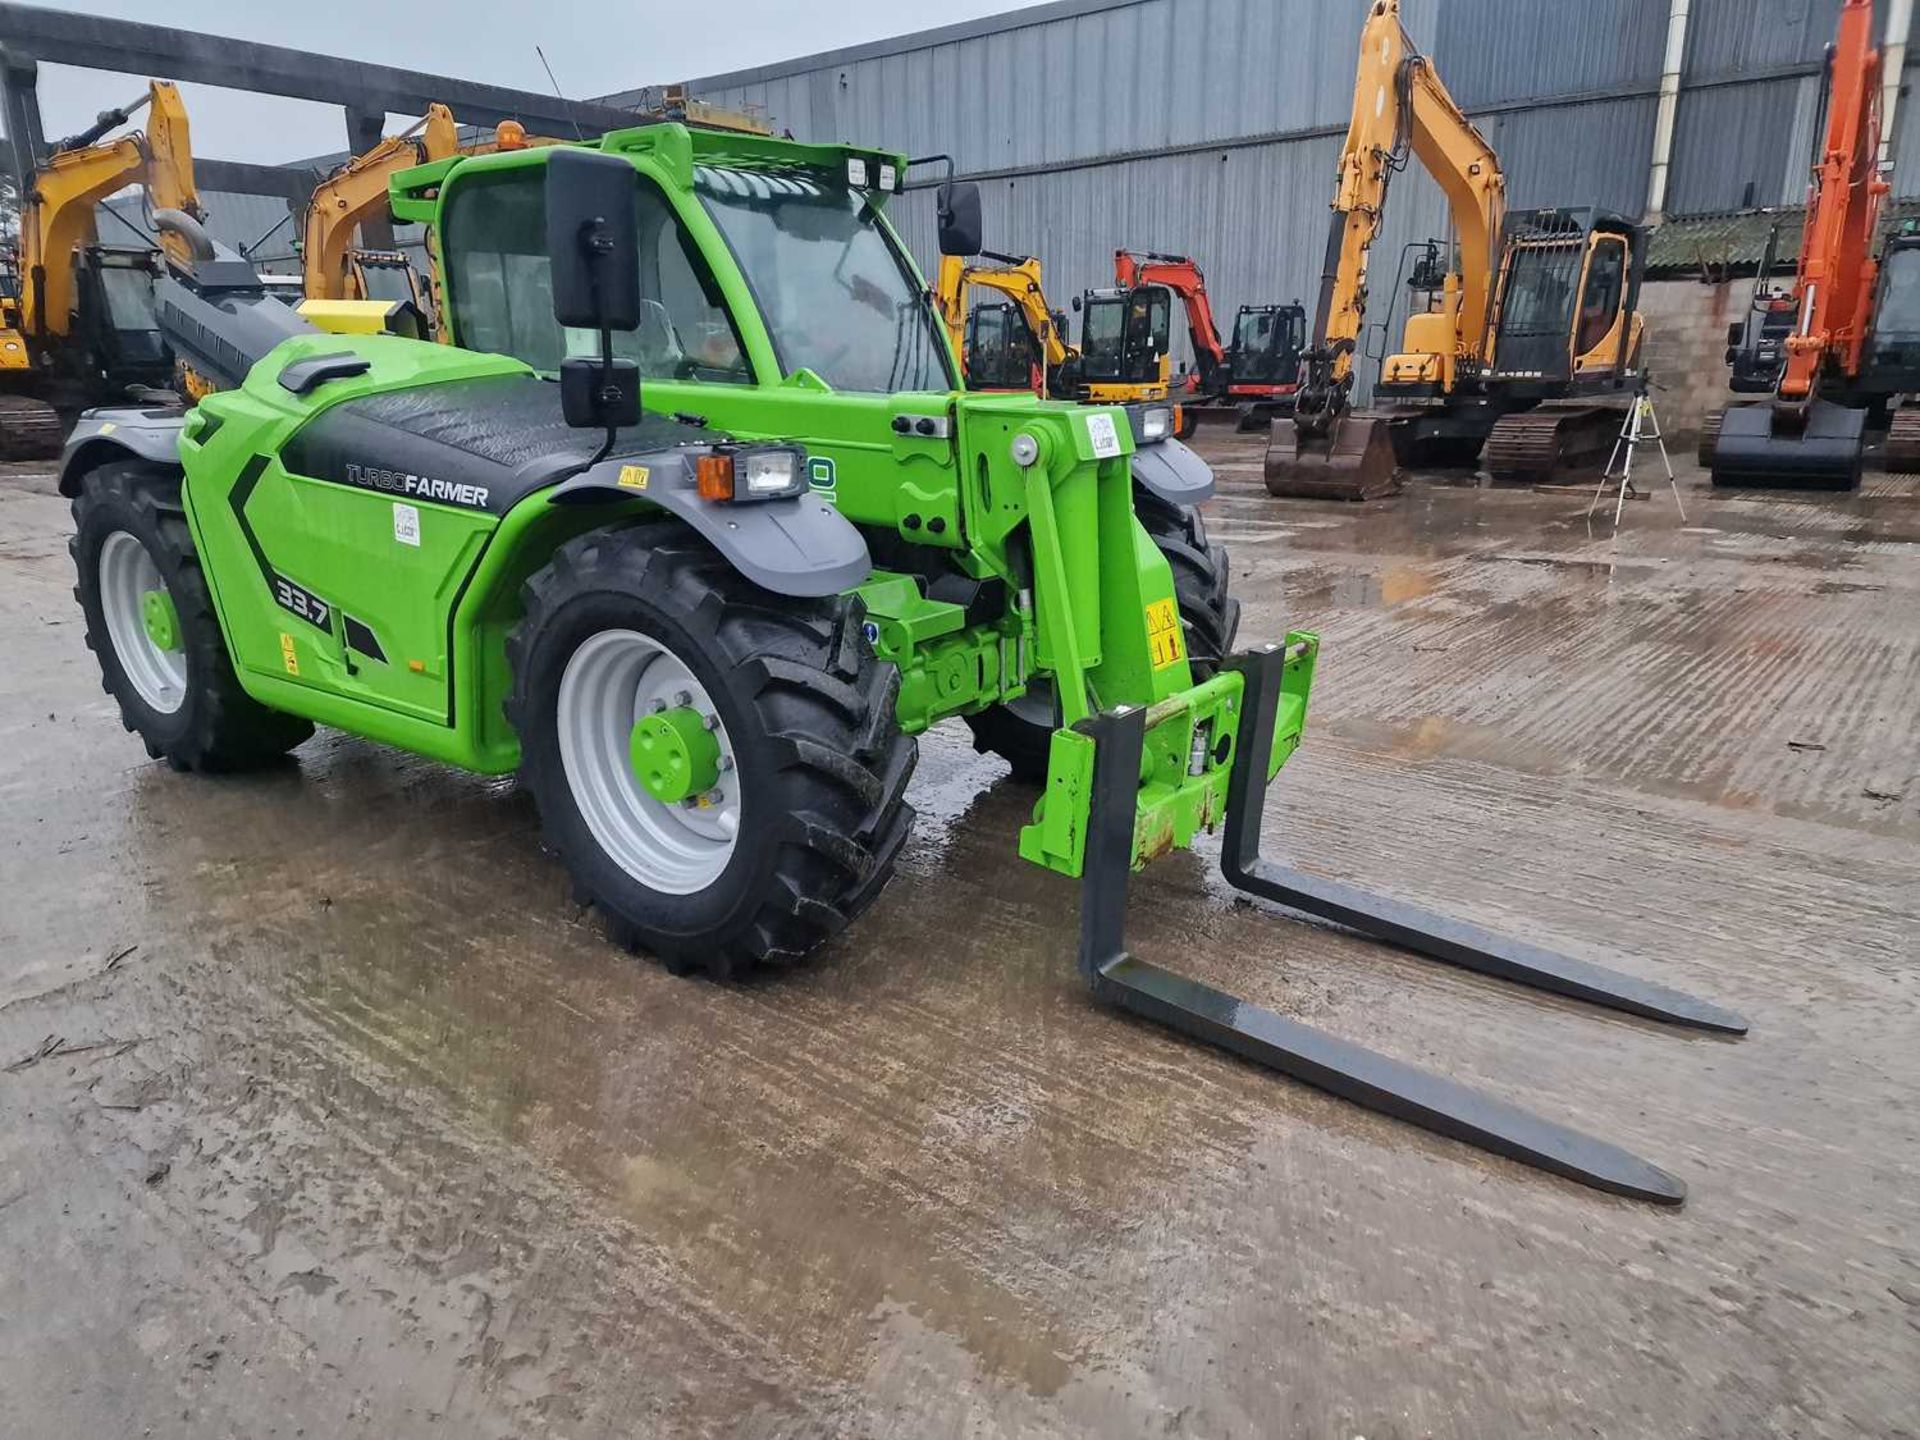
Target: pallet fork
1338,1066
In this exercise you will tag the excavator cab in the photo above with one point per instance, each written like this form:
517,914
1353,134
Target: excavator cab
1001,353
1568,298
1126,342
1893,351
115,317
1267,344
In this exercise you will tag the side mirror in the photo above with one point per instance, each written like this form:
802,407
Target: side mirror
593,246
593,239
958,208
1078,304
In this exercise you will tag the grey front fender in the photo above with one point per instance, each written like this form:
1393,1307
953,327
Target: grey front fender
121,433
1169,470
801,547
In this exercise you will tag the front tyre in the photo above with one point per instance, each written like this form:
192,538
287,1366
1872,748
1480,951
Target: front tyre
720,769
151,624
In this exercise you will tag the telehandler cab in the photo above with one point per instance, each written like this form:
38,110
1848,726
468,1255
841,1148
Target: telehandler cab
693,528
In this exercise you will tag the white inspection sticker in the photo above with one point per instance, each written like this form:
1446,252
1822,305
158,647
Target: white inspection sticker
406,524
1101,431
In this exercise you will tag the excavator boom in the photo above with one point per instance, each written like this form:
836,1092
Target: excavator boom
357,192
57,216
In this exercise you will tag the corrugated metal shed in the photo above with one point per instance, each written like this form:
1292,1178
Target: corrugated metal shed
1496,52
1732,38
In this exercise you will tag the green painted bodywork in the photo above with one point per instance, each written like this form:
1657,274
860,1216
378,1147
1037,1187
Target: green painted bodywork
1061,580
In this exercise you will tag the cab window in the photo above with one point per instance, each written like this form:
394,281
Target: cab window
500,287
1600,304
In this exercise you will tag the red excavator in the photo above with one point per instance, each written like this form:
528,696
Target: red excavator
1257,374
1855,344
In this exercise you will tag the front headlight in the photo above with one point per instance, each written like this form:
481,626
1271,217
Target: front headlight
1156,423
767,473
737,473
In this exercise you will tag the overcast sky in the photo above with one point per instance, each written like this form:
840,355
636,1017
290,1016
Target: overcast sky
595,46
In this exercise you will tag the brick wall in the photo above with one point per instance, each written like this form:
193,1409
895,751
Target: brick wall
1687,348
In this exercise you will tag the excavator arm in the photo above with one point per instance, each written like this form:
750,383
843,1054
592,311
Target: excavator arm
1400,105
57,217
1835,287
1134,268
358,191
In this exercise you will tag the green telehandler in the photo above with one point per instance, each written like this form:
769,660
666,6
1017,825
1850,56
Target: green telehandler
694,529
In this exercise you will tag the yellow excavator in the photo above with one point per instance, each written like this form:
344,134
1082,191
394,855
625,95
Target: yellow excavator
1019,342
77,323
334,267
1525,339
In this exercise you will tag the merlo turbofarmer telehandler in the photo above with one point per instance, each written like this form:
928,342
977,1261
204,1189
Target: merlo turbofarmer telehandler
1527,342
1853,347
692,527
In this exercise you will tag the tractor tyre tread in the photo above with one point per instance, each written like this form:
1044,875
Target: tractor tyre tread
820,841
219,727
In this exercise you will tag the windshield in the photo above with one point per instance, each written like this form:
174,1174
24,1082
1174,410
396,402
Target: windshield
129,296
837,296
1539,298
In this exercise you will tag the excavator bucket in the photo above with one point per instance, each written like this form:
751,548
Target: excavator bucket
1329,1063
1352,460
1826,451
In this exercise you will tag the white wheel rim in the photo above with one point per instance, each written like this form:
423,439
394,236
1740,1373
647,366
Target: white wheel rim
127,576
613,680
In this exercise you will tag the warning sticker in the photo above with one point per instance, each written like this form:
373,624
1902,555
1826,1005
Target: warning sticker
406,524
634,477
1163,634
289,656
1103,433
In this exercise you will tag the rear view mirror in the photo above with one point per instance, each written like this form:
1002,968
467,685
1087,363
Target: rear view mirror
593,239
958,207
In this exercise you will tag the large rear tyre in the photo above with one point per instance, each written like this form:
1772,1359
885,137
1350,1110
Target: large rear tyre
787,812
151,623
1021,733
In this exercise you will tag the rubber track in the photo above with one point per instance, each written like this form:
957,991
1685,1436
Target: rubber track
29,429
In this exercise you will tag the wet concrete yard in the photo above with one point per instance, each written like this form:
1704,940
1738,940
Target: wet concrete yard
323,1112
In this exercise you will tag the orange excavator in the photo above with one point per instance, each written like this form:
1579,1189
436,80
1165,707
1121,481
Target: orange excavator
1257,373
1855,343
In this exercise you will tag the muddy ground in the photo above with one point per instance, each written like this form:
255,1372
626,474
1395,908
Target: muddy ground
324,1113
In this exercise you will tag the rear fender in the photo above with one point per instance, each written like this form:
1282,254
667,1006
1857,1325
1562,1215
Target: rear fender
128,433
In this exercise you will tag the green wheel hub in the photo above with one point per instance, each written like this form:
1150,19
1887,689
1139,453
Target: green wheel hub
162,624
674,755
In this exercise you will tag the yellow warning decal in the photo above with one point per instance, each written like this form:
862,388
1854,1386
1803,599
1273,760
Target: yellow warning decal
633,477
1163,634
289,656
